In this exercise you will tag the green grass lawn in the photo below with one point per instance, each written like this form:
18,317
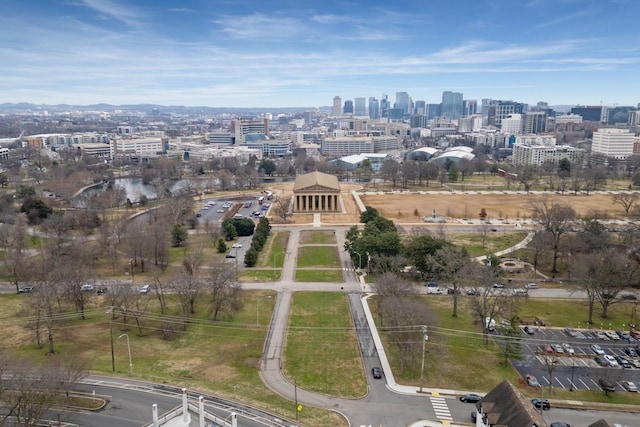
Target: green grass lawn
329,276
212,356
574,313
250,275
274,250
318,256
322,348
494,242
454,359
310,237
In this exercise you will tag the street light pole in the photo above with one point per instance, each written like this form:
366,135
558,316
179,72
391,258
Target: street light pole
113,357
236,264
129,351
573,367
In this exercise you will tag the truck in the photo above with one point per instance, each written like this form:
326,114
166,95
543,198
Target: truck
432,287
490,324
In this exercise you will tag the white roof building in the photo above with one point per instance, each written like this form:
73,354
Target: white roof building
613,142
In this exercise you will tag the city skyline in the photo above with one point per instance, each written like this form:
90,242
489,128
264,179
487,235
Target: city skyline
224,53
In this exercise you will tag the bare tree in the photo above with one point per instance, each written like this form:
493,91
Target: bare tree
282,208
556,219
222,289
602,275
487,302
16,246
445,265
626,200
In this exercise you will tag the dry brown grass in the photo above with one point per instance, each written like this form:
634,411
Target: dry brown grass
401,206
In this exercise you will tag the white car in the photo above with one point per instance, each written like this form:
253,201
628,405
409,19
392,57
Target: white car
597,349
611,360
611,335
145,289
568,349
629,386
532,286
87,288
220,211
236,245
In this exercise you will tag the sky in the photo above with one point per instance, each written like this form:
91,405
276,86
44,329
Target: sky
302,53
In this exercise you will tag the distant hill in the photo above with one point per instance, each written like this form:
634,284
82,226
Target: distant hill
27,107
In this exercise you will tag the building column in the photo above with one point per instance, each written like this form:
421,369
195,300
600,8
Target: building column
324,202
329,206
297,204
336,206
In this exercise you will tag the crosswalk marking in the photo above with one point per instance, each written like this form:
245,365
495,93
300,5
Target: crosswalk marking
441,408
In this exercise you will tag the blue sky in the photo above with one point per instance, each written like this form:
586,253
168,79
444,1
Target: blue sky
260,53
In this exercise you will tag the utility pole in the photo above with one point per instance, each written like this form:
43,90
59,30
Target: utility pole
425,337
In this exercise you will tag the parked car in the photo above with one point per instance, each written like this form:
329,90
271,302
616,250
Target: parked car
630,351
25,290
612,335
571,332
622,361
568,349
597,349
612,360
101,291
560,424
145,289
236,245
532,286
623,335
600,361
87,287
601,335
557,348
541,404
376,372
606,385
472,292
229,255
532,381
528,330
498,286
629,386
470,398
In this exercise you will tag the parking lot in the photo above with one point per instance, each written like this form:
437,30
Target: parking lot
215,209
543,351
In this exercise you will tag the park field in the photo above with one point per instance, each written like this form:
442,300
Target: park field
411,207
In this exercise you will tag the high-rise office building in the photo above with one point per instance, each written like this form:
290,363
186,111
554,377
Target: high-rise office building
348,107
360,107
337,106
374,108
433,111
505,108
384,106
470,107
589,113
486,103
420,108
452,105
535,122
403,102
